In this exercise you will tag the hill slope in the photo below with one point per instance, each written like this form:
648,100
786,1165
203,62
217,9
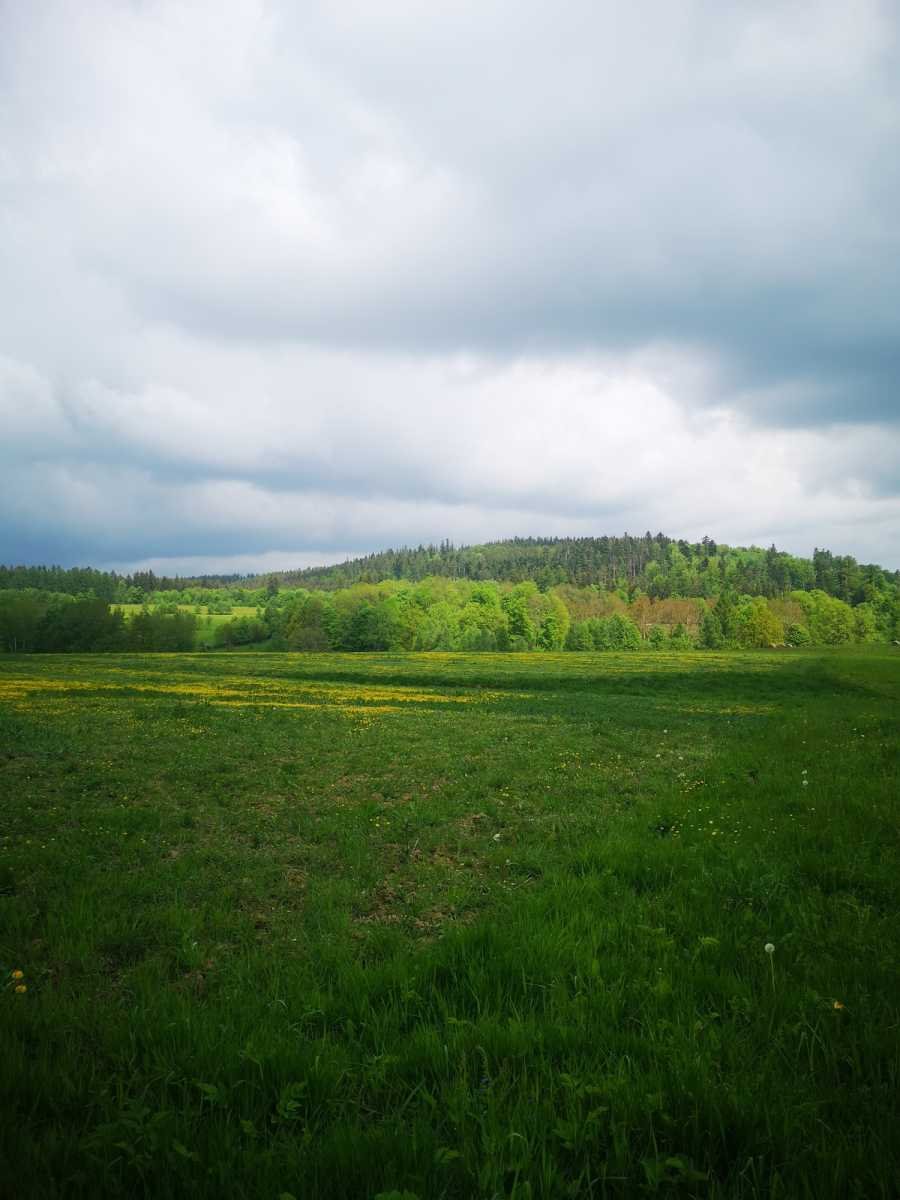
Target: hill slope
655,564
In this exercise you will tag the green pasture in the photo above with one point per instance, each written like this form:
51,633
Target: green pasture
201,610
447,926
207,622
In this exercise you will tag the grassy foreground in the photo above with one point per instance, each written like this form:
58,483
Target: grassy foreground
450,926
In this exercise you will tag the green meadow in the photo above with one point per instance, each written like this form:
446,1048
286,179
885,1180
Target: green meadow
207,622
347,926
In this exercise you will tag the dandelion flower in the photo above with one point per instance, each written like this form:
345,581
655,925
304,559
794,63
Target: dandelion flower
770,950
21,988
18,974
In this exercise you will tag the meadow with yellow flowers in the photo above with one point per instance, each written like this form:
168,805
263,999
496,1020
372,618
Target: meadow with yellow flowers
348,926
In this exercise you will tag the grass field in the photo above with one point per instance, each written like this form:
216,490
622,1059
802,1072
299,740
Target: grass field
207,622
200,610
342,926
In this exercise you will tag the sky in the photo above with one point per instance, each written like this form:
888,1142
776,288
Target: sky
281,284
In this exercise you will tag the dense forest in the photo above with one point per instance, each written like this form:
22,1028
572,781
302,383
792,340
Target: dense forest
523,594
657,566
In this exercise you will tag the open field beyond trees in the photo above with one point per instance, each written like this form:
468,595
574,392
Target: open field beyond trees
448,926
206,623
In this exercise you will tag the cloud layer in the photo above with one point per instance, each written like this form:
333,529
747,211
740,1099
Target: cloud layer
284,282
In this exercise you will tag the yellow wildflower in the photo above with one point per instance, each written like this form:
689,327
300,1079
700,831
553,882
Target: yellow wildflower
837,1004
18,974
20,988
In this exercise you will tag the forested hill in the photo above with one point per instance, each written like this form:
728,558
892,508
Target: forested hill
656,565
653,565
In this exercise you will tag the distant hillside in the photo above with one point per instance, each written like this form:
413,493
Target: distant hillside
654,564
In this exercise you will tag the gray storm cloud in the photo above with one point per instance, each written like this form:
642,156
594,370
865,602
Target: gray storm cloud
296,280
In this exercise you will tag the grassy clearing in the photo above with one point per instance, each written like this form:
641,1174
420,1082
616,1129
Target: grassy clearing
207,622
450,926
201,610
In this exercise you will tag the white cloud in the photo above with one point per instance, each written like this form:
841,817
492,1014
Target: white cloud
240,455
299,280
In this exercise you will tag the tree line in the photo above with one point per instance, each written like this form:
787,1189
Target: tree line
652,564
562,593
438,613
442,614
35,621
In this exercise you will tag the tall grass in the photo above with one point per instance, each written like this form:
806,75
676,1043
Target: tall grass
450,926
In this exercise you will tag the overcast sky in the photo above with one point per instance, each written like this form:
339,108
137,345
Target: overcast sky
282,283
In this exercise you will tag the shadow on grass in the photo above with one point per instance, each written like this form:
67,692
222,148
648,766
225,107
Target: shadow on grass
700,681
